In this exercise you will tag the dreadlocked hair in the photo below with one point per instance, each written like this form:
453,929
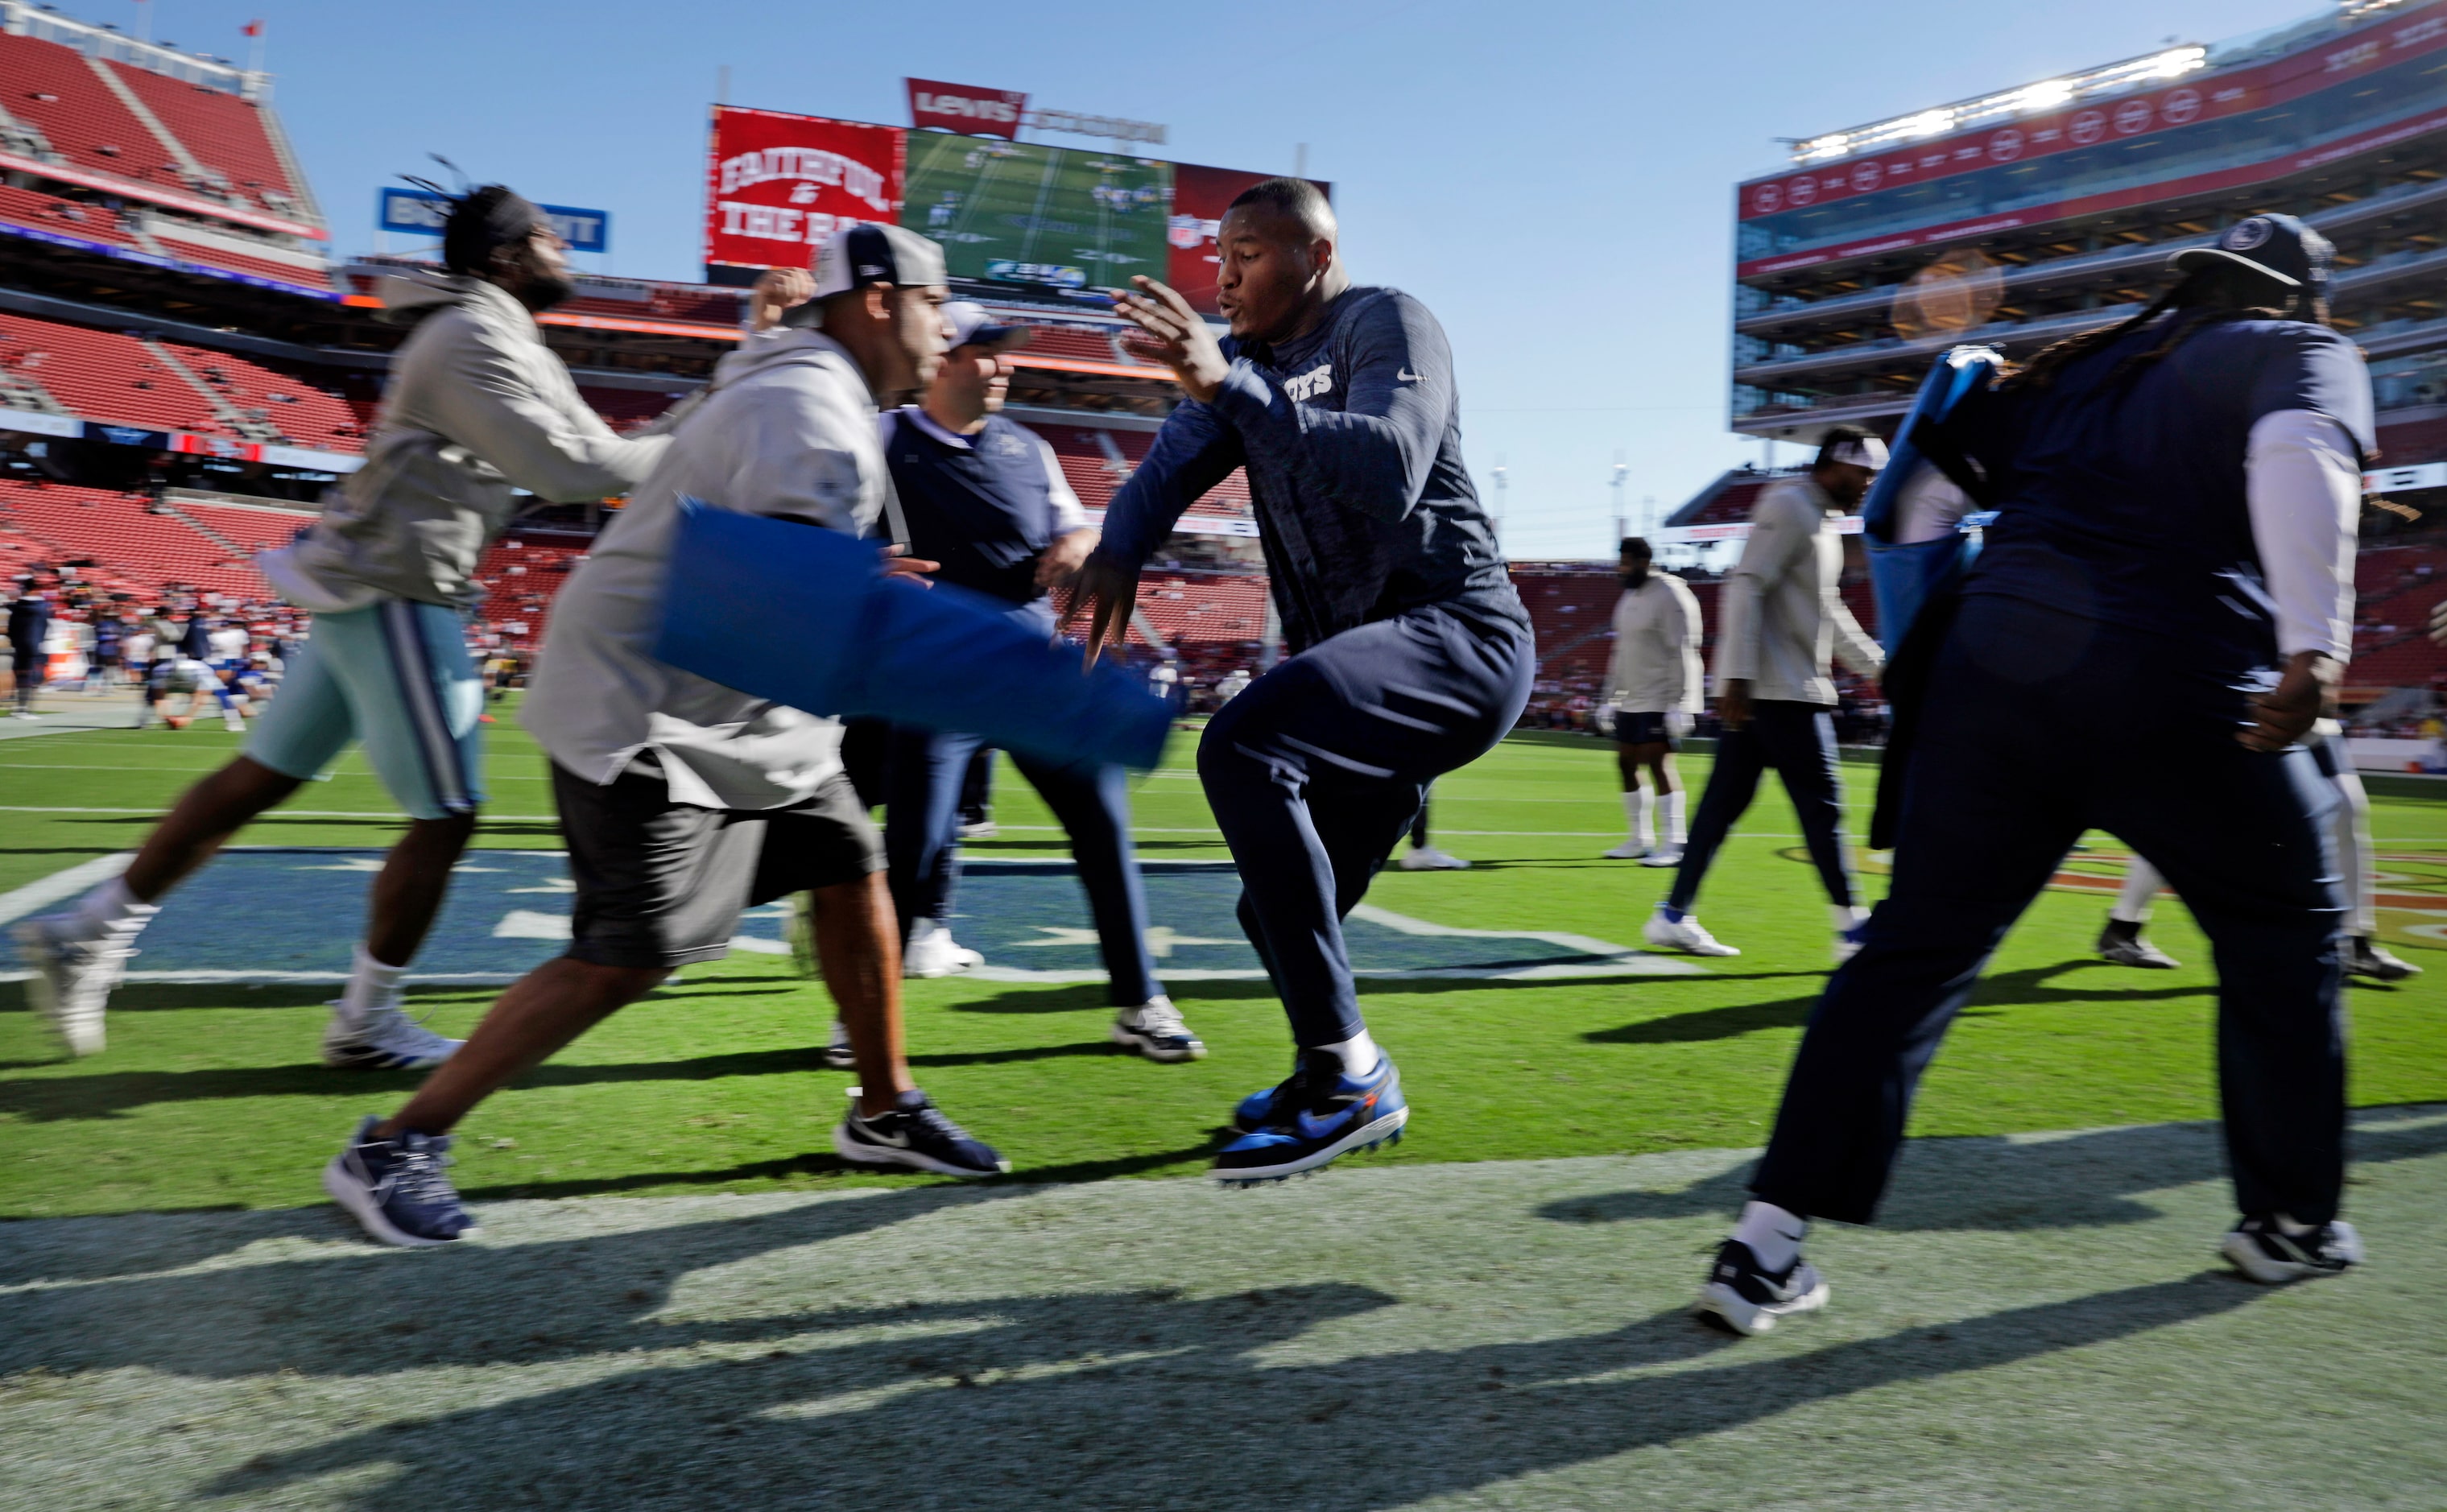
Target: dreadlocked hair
2211,295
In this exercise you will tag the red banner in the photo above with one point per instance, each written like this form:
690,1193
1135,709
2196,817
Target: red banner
780,186
1199,196
965,108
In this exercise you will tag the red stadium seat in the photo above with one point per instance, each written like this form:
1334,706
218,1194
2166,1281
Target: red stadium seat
222,131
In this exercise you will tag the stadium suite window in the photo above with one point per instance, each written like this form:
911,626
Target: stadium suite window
2407,89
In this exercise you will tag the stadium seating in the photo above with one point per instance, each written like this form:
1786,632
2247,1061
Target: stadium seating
102,375
625,408
88,222
520,576
268,268
116,531
1203,606
1096,474
305,415
222,131
1080,343
55,89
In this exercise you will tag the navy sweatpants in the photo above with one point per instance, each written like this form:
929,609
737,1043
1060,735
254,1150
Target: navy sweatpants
922,843
1316,771
1996,793
1798,740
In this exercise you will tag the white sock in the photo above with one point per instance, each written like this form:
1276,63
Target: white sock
110,907
1672,806
1845,915
1359,1054
1773,1234
371,985
1637,803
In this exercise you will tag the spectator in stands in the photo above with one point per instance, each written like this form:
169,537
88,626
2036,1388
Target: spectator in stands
984,496
477,406
1652,684
1782,619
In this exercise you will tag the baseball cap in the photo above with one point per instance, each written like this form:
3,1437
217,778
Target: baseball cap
872,253
1862,451
972,326
2276,247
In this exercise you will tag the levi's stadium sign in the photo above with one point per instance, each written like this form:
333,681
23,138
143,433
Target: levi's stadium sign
975,112
965,108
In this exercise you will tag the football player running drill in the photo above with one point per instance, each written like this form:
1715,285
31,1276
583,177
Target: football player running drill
477,405
1411,653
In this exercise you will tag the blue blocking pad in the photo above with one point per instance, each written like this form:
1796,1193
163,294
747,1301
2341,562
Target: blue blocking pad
806,616
1905,577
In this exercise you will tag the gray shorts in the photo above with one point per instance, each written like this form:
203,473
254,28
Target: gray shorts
663,884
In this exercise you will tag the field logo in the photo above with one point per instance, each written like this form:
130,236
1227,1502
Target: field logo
509,913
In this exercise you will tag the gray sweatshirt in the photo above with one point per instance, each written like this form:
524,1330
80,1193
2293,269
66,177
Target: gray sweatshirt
477,405
1782,612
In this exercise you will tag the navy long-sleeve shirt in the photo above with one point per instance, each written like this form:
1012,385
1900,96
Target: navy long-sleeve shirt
1352,438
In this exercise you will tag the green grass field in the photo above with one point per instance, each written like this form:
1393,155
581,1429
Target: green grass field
680,1301
991,202
710,1086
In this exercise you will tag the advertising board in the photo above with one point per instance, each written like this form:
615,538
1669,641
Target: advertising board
778,186
421,213
966,107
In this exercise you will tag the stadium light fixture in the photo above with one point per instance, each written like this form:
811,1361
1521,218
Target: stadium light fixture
1817,149
2175,61
1929,124
2047,95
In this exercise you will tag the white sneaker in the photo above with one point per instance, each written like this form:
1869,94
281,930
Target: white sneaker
931,952
1630,850
72,978
385,1039
838,1054
982,829
1669,854
1155,1030
1429,859
1682,935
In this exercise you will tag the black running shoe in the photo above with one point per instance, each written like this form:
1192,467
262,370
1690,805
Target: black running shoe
2120,944
915,1136
2366,956
1741,1298
2261,1250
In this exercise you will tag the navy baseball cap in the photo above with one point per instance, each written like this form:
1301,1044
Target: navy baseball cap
972,327
2279,248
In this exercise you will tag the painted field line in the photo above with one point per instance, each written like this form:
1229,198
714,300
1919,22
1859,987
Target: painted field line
61,885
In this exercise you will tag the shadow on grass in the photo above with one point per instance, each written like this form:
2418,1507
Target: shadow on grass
2006,990
821,1163
1998,1183
1014,1399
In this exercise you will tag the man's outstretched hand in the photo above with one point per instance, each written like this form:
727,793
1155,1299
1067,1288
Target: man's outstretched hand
1106,590
897,565
2306,693
1172,333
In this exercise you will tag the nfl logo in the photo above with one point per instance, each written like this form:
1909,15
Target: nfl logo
1182,232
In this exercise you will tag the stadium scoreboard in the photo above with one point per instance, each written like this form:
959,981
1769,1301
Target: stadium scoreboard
778,186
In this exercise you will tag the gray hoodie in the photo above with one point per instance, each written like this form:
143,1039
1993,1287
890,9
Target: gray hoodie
477,404
788,428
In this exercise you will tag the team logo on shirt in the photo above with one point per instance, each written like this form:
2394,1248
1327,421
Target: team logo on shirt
1310,384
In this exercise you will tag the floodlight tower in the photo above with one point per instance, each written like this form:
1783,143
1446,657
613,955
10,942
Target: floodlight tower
1503,479
1621,470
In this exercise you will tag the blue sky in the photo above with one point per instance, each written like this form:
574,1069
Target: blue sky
1553,178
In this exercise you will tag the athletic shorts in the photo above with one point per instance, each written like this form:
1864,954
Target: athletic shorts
1645,730
396,676
661,884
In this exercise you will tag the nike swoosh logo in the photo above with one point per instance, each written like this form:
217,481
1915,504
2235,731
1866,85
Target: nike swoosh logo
898,1141
1405,375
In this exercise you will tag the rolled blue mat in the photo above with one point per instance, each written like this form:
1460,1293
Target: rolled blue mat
806,616
1905,577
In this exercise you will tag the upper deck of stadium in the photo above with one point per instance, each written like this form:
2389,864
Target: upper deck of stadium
2034,213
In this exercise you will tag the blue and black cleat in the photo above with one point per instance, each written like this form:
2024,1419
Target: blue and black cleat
1317,1116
